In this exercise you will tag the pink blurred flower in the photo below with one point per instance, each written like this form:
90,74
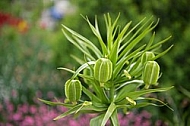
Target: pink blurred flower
17,116
14,93
32,109
50,95
28,121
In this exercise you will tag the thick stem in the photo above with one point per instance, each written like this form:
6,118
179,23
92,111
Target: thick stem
112,92
146,86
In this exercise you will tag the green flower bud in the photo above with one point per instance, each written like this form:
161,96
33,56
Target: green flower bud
103,70
73,90
151,73
147,56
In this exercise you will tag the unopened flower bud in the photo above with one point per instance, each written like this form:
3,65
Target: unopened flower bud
147,56
73,90
151,73
103,70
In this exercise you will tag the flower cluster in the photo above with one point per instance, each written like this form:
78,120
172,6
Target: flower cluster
35,115
8,19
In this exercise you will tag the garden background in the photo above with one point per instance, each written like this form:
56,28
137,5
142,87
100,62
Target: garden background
32,46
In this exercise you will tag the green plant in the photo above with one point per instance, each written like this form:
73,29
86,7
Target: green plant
121,61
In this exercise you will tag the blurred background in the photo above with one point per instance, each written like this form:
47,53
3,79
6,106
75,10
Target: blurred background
32,46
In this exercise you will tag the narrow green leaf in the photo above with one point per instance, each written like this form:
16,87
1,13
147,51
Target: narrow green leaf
78,45
55,103
79,60
108,114
126,43
98,35
114,119
159,43
109,30
137,39
130,87
151,41
83,39
70,111
143,104
90,94
115,49
80,75
96,121
136,94
92,108
123,60
66,69
90,46
99,91
76,73
157,100
82,67
162,53
184,91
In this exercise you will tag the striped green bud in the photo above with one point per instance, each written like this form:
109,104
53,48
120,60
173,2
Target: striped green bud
73,90
147,56
103,70
151,73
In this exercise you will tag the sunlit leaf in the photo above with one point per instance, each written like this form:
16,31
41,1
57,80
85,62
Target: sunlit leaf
70,111
98,35
155,99
114,118
108,114
55,103
96,121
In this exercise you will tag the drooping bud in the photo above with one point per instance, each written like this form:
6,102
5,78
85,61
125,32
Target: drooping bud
103,70
147,56
73,90
151,73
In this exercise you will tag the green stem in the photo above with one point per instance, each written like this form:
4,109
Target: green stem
112,92
146,86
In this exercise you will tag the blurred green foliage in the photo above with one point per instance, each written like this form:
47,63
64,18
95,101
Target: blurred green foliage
26,65
26,59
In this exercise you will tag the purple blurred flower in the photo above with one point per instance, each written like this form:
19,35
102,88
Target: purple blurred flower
28,121
14,93
50,95
17,116
42,115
